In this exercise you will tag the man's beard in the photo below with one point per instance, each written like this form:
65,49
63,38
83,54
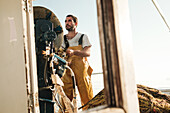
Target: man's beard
70,29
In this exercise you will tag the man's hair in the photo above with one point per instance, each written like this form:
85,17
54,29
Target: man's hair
74,18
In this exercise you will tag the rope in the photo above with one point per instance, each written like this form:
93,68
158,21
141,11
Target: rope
161,14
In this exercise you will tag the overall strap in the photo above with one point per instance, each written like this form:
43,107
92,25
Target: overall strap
81,39
66,42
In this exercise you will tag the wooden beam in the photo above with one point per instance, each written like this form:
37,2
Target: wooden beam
117,56
109,53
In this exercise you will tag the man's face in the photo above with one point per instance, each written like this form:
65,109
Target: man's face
70,24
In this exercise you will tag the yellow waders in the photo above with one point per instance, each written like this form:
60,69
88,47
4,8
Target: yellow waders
82,72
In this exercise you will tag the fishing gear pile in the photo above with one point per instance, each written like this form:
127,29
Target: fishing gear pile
150,100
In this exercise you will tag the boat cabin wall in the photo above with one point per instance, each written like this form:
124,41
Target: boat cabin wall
13,97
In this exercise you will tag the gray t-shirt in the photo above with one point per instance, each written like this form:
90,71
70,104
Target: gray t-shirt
74,41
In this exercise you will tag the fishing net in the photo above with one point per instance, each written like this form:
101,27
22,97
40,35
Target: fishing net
150,100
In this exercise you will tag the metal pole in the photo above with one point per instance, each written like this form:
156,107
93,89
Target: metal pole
32,57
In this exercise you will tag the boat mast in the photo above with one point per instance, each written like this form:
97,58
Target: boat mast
160,12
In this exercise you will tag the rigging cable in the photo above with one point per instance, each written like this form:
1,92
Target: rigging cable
158,9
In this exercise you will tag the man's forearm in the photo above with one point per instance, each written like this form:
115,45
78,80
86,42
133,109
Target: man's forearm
82,53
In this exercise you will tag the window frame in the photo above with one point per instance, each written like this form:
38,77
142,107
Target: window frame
117,58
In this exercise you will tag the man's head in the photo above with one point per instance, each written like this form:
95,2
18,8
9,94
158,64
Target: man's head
71,22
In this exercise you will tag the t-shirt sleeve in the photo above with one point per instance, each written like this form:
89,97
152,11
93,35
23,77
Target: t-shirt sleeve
86,41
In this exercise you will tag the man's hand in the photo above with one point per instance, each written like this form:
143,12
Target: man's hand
83,53
70,52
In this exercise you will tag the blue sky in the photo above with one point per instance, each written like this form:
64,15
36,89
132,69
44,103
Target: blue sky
151,37
151,42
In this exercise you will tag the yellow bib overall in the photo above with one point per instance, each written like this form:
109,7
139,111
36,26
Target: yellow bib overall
82,72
